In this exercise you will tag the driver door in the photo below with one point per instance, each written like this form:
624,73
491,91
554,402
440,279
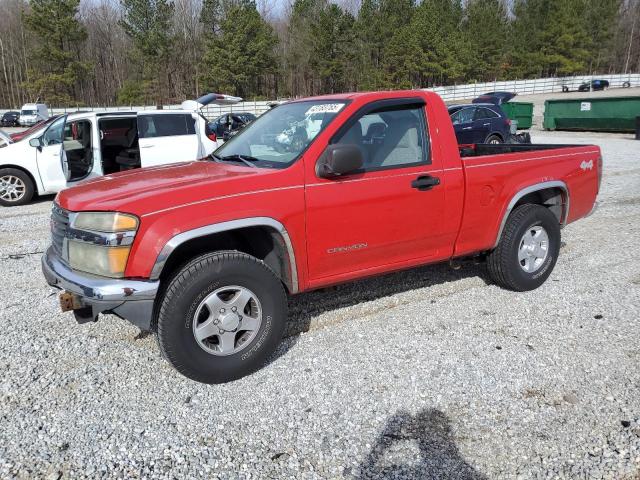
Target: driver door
50,159
382,216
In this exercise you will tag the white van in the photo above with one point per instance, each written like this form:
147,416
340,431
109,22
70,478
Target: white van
32,113
85,145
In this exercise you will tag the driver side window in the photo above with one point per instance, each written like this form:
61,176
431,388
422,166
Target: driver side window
53,134
390,137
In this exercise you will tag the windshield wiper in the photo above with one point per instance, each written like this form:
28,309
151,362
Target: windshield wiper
246,159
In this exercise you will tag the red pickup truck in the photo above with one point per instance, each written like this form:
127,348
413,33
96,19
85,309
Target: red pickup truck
313,193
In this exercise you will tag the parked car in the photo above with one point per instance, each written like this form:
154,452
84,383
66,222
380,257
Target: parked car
594,85
32,113
227,125
495,98
85,145
10,119
16,137
205,253
480,123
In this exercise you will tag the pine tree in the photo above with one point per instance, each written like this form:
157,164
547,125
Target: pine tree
148,24
565,39
333,54
301,46
377,24
240,58
525,57
486,30
56,68
553,37
431,49
213,13
600,19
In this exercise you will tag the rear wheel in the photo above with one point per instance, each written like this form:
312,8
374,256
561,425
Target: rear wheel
16,187
221,317
494,139
528,249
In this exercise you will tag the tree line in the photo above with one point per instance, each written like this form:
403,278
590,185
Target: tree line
124,52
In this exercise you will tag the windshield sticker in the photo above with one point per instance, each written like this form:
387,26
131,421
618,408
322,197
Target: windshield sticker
325,108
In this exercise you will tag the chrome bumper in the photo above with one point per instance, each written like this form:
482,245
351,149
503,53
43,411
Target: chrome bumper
129,299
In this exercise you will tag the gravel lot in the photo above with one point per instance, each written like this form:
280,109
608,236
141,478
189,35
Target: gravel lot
431,373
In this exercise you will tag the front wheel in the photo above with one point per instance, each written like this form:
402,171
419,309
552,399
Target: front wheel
528,249
221,317
16,187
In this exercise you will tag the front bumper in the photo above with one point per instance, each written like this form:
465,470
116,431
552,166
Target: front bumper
132,300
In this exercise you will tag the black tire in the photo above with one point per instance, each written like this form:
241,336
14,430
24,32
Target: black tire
504,267
493,139
27,187
189,286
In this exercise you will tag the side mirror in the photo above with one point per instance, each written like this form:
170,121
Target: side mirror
339,160
36,142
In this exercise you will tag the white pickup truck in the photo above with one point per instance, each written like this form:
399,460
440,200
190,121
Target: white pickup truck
85,145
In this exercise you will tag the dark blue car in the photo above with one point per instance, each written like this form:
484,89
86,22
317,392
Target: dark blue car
480,123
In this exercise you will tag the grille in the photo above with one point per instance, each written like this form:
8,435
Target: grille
59,226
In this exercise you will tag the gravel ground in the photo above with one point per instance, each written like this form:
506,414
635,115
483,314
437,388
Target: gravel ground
431,373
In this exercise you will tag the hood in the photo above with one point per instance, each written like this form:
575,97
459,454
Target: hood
147,190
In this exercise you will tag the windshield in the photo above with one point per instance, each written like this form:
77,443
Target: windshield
28,112
278,137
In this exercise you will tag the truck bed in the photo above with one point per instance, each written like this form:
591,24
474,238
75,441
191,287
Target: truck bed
495,173
481,149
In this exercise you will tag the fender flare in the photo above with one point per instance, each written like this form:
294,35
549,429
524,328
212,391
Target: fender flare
532,189
183,237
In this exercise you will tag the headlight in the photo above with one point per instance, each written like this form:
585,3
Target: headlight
105,222
106,249
98,259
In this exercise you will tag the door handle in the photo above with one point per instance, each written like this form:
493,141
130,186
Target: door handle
485,124
467,128
425,182
147,146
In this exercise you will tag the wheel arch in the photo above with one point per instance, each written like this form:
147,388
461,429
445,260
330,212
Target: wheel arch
495,134
262,237
36,185
553,194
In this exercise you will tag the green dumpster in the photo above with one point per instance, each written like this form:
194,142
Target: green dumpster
608,114
522,112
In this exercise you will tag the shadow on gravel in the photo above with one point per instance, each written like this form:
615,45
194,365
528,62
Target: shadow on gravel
305,306
439,456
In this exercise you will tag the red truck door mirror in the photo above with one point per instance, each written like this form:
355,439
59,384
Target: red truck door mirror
339,160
